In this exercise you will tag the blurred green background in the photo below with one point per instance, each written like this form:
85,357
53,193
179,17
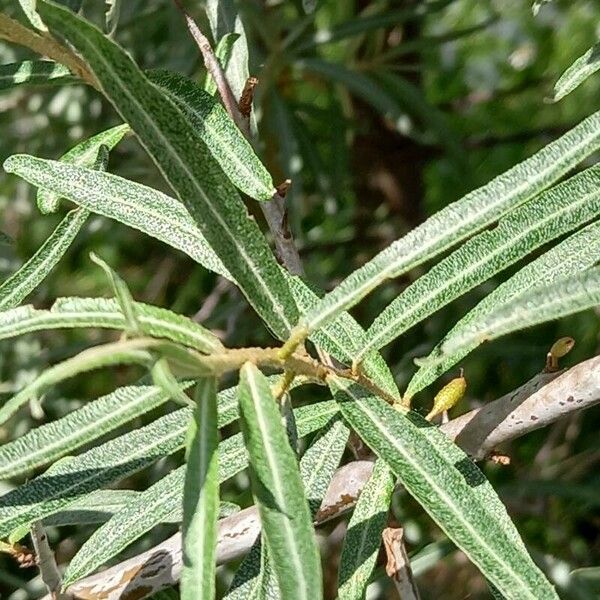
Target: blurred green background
381,112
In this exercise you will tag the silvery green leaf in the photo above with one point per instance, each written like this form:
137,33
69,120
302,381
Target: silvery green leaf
83,154
34,72
122,295
107,355
67,313
278,491
578,252
72,479
187,165
224,140
163,501
201,498
449,487
167,220
255,578
224,19
536,305
363,537
223,52
33,272
54,440
553,213
585,66
460,220
19,285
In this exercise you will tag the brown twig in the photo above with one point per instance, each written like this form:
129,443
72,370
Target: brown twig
45,45
274,210
544,399
398,565
214,68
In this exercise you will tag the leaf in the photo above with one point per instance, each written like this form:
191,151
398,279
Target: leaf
105,313
163,500
563,297
201,498
223,53
19,285
34,271
106,355
51,441
255,577
167,220
72,479
585,66
34,72
578,252
83,154
187,165
111,17
363,538
131,203
122,295
30,9
548,216
224,140
278,491
460,220
449,487
224,19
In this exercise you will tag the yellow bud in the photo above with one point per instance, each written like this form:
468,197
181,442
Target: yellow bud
448,396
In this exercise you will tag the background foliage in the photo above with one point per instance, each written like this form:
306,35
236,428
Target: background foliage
377,130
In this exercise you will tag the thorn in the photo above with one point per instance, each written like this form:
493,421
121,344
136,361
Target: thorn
282,188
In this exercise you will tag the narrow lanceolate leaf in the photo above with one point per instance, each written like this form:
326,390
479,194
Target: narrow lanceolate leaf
83,154
278,490
578,72
224,140
223,52
167,220
363,538
72,479
17,287
224,19
255,578
34,72
201,498
67,313
188,166
550,215
578,252
461,219
450,488
133,204
122,295
33,272
128,353
543,303
163,501
54,440
108,542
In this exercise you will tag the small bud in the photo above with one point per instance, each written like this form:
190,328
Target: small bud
559,349
448,396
